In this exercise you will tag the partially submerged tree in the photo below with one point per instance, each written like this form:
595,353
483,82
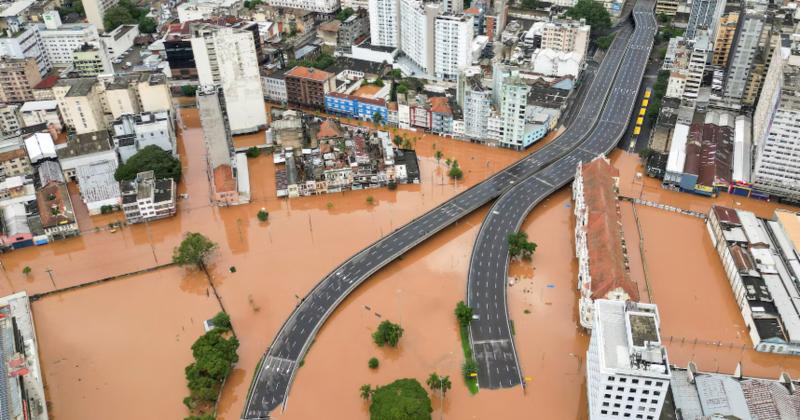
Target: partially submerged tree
463,313
403,399
193,250
518,245
387,333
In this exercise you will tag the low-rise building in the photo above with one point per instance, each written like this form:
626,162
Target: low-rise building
603,271
41,112
56,211
133,132
275,87
90,61
16,233
352,106
627,369
85,149
307,86
10,119
760,260
219,149
147,198
14,162
99,190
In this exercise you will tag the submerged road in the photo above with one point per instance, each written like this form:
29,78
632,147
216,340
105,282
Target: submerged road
490,334
278,366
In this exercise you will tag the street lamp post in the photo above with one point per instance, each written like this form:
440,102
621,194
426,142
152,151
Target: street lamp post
50,273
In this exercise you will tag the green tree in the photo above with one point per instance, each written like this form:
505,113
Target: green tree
455,171
594,12
262,215
392,185
370,200
518,245
253,152
439,383
201,417
645,153
604,42
463,313
530,4
397,140
151,158
344,14
116,16
193,250
26,270
377,118
438,156
469,368
448,162
373,363
222,321
387,333
188,90
147,25
403,399
214,357
365,391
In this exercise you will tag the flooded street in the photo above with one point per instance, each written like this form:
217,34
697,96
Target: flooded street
125,343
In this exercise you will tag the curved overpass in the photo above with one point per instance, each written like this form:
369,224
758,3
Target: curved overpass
276,371
490,334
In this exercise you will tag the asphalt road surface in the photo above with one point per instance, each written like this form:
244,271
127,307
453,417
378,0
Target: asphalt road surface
490,334
277,368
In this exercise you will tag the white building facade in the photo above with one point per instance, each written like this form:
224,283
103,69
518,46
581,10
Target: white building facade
513,104
319,6
60,40
627,368
453,45
417,26
384,22
26,43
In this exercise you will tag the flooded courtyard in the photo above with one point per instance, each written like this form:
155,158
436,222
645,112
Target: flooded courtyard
125,343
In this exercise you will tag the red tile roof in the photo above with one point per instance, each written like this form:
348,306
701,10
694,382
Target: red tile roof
53,212
440,105
604,239
47,83
328,129
472,11
309,73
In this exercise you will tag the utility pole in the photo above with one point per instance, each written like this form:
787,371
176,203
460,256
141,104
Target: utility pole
50,273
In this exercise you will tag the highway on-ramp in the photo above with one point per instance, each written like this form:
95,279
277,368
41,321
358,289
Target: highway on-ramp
278,366
490,333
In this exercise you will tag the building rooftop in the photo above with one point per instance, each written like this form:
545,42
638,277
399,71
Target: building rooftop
47,82
629,338
790,222
97,183
309,73
55,207
38,106
84,144
78,87
605,243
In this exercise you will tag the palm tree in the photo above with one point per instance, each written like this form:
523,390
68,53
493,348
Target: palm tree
366,391
438,155
434,381
445,384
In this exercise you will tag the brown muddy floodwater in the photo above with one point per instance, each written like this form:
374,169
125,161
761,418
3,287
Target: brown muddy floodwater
118,350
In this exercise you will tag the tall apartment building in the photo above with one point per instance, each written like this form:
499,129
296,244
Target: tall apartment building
417,27
701,47
10,119
453,45
25,42
227,57
319,6
667,7
60,40
96,10
307,86
453,6
726,33
566,36
477,109
705,14
745,47
80,103
627,369
513,105
384,22
355,4
208,9
18,76
776,123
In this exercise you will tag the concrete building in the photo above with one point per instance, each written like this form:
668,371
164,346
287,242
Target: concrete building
80,103
319,6
41,112
133,132
686,61
760,260
741,57
701,49
227,57
477,109
307,86
134,93
705,15
513,103
56,211
146,198
119,41
208,9
219,148
384,23
99,189
22,386
40,147
355,4
627,369
453,45
96,9
565,36
15,163
60,40
26,42
417,33
91,61
775,128
18,76
84,150
352,31
667,7
603,271
275,87
10,119
726,33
